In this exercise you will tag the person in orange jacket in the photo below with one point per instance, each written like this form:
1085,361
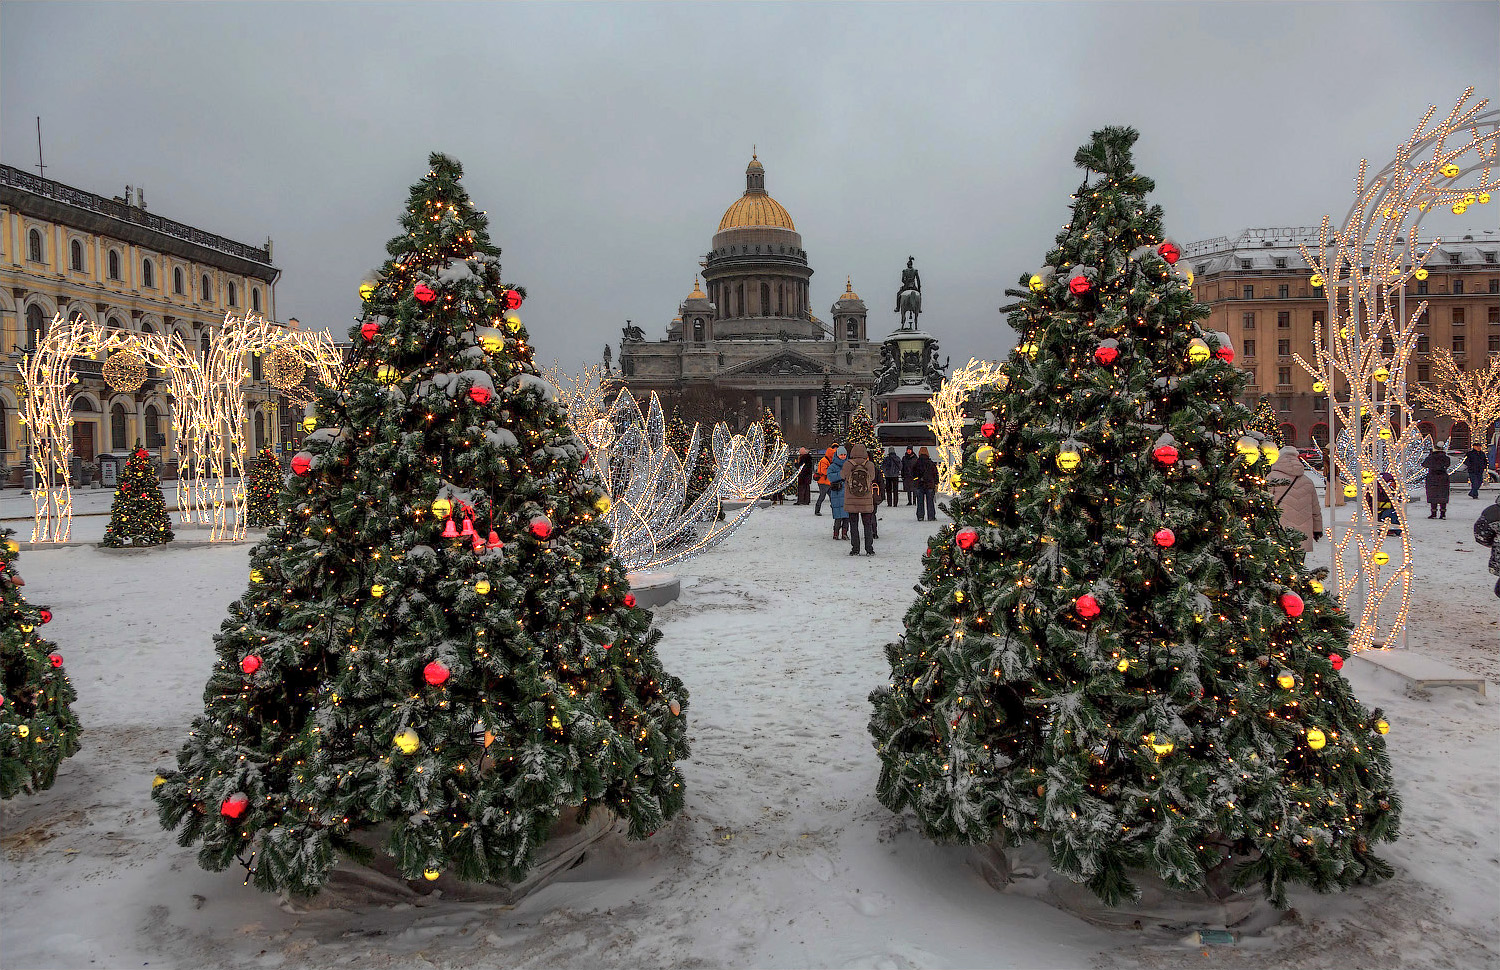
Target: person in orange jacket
823,484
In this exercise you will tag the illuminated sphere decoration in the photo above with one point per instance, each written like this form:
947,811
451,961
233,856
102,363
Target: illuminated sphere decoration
284,369
1087,606
1286,679
1123,665
1316,739
407,741
1270,452
424,293
125,371
442,508
302,462
492,343
309,423
966,538
1292,604
1165,454
1164,538
366,290
541,527
435,674
1248,448
1316,280
1068,460
1198,351
603,504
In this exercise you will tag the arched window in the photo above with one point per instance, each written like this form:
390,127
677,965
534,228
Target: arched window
698,329
1428,429
255,299
1320,434
739,299
780,300
208,289
765,299
1459,436
36,326
4,432
154,438
234,295
75,255
117,428
177,280
114,323
260,431
852,328
148,274
81,403
34,246
203,344
114,264
1289,434
147,328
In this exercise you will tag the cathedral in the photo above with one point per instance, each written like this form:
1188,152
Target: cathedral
747,328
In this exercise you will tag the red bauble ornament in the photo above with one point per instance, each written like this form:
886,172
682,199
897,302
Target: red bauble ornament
1226,354
1166,454
301,463
46,616
250,664
234,806
512,300
478,544
479,394
1165,537
987,429
541,527
1106,355
1292,603
494,541
1336,660
435,674
369,330
424,293
966,538
1169,252
1079,285
630,600
1087,606
55,659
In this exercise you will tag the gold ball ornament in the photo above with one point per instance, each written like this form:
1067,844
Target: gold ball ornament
366,290
309,423
1470,199
1449,171
1484,198
125,371
512,322
1382,374
1381,726
377,590
1286,679
1350,490
1382,557
493,343
26,627
387,374
1459,208
1198,351
1123,665
256,576
24,731
1420,274
407,741
12,546
441,508
1319,387
556,724
1316,739
1068,460
1027,349
482,587
1315,586
958,596
1316,279
985,454
1161,746
158,781
1036,283
957,482
430,874
604,504
1270,453
1385,434
1367,476
1249,449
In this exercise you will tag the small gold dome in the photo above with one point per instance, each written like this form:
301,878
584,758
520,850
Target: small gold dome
697,293
849,293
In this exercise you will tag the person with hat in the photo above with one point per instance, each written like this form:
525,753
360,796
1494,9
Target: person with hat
804,476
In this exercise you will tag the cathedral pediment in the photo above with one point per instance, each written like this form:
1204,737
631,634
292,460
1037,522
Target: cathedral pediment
782,363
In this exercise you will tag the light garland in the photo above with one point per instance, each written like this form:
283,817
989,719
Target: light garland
948,415
1370,355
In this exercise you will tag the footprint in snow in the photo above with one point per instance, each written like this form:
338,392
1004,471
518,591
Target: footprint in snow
869,904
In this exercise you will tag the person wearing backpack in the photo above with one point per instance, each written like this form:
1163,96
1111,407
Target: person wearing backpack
861,495
1296,497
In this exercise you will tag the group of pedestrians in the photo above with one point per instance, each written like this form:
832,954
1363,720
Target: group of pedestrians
855,483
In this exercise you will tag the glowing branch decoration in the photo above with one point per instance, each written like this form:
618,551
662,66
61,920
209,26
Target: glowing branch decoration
1469,396
1364,268
947,422
583,395
746,470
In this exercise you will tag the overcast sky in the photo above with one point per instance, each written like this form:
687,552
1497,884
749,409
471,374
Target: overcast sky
606,140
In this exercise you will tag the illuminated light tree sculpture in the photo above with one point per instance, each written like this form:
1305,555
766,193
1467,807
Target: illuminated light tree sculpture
1363,268
438,642
1470,396
1116,652
947,424
585,395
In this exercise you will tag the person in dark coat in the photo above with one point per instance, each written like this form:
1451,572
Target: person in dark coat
804,476
890,470
1486,532
908,477
1436,482
1474,464
925,473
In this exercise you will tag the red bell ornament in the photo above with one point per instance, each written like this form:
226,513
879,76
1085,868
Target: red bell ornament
1105,354
435,674
1336,660
480,394
424,293
1169,252
1166,454
234,806
46,616
55,659
450,531
478,544
369,330
468,529
1292,604
512,300
302,462
541,527
1087,606
1165,538
1225,353
494,541
250,664
966,538
630,601
987,429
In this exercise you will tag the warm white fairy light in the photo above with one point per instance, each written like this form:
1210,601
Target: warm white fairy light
1471,396
947,422
745,470
125,371
1364,268
584,395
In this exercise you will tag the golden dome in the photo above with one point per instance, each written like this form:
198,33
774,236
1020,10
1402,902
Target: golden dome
755,209
697,293
849,293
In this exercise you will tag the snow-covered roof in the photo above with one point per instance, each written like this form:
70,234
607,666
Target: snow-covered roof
1270,250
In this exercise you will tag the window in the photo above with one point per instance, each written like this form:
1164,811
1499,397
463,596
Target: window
1424,373
1459,343
765,299
1421,287
1320,402
34,250
1281,262
1387,345
852,326
1494,342
256,372
1458,316
117,428
1283,320
36,326
739,299
207,289
1244,264
1283,403
698,329
255,299
1289,433
1494,314
780,300
1283,375
260,431
1250,348
1283,348
234,295
148,274
177,285
1249,292
1489,257
1254,376
203,344
1318,318
75,256
1455,258
114,264
1495,286
154,437
1423,343
1247,320
1458,284
1283,291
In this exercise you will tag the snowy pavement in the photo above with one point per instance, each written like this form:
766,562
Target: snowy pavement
782,858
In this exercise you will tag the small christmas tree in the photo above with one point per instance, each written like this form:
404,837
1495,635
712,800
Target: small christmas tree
862,432
1115,651
828,410
264,490
138,516
37,726
463,686
1265,421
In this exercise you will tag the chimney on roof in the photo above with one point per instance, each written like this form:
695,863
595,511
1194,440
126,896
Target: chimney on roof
140,197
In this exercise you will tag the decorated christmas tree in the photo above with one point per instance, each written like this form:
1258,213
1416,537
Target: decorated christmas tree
1116,652
771,430
263,490
828,411
138,516
862,432
1265,421
37,726
438,642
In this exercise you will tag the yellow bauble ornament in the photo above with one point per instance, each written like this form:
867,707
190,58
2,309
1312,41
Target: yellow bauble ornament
12,546
984,454
256,576
1420,274
366,290
1459,209
1286,679
1319,387
1036,283
24,731
482,587
1270,453
512,322
26,628
158,781
441,507
1316,279
430,874
1381,726
492,343
1068,460
1382,557
1449,171
1367,476
1385,434
309,423
377,591
387,374
556,724
1351,490
1381,374
1316,739
958,596
1123,665
1027,349
603,504
957,482
1470,199
1315,586
1390,213
1484,198
1162,746
407,741
1198,350
1249,449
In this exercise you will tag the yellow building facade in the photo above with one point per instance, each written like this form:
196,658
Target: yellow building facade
67,251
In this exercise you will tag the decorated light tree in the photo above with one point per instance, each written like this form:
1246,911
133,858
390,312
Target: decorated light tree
138,516
1116,652
263,490
438,641
37,726
1265,422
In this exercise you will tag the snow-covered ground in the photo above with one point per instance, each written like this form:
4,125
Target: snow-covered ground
783,856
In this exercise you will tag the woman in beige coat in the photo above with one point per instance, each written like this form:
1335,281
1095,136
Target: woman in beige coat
1296,497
